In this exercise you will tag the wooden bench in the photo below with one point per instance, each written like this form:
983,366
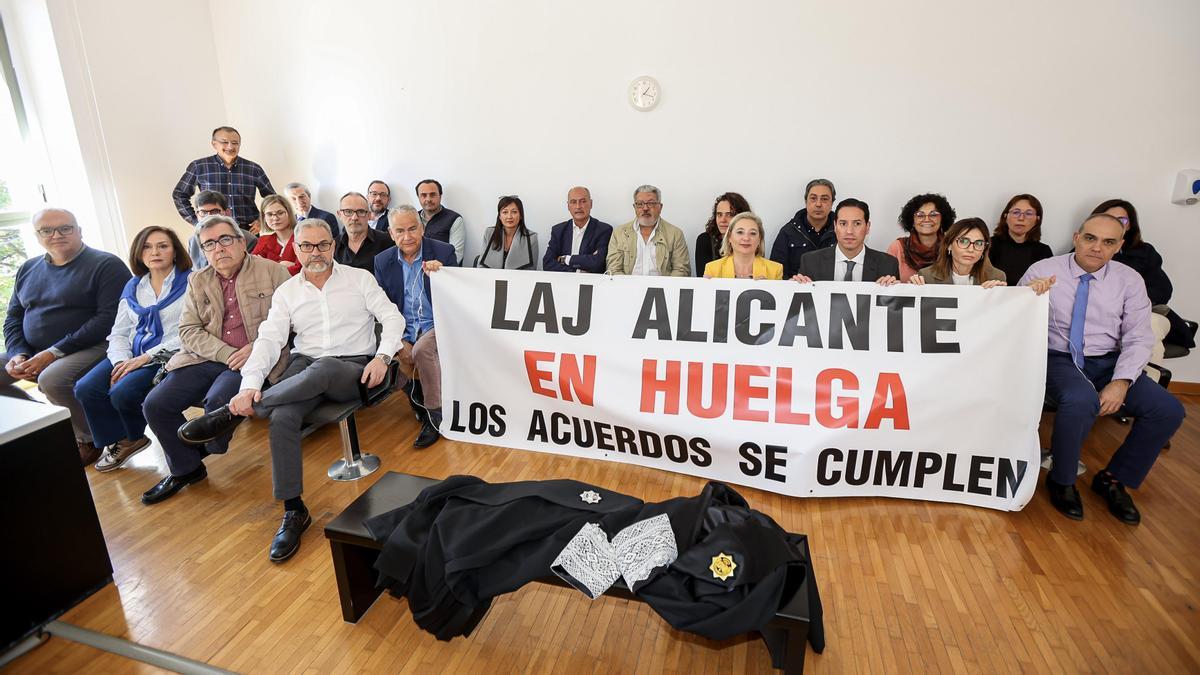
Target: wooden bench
354,555
354,464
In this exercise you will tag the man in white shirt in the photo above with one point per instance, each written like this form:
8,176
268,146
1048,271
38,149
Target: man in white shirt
332,309
648,245
581,243
850,260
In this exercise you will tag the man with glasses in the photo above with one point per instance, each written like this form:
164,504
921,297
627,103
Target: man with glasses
850,259
440,222
210,203
648,245
809,230
332,309
62,308
228,173
1099,341
359,243
404,276
301,198
224,305
379,195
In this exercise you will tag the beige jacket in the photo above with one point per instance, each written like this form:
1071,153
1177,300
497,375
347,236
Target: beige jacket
670,250
204,305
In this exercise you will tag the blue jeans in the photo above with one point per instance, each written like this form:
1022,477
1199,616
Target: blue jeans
114,413
210,383
1157,415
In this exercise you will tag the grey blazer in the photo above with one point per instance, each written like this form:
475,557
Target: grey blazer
818,265
522,255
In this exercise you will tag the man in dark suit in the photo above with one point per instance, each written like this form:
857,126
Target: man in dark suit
379,196
301,198
850,260
403,273
581,243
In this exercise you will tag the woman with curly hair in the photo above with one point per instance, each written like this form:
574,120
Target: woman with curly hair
925,218
708,244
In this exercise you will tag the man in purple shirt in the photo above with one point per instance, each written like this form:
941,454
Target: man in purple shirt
1099,342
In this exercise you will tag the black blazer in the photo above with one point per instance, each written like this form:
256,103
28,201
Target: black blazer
314,212
592,253
818,265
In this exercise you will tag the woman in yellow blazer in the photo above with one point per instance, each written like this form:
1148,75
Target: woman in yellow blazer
743,252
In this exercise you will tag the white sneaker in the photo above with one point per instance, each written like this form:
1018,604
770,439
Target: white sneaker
118,453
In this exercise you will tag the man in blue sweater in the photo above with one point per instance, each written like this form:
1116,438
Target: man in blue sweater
62,309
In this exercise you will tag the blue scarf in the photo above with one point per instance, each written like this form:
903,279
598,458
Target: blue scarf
149,330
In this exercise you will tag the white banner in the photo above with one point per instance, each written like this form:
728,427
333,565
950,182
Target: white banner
819,390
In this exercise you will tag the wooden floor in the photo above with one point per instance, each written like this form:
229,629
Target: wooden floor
907,586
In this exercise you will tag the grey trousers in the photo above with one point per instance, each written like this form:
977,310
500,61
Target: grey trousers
57,382
305,385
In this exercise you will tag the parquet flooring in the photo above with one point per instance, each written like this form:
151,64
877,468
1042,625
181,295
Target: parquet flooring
907,586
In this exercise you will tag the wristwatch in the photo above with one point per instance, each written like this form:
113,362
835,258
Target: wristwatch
387,360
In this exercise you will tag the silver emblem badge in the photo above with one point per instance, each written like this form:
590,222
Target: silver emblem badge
590,497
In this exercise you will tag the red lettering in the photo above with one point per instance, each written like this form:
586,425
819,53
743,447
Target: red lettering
570,380
744,393
695,390
848,406
536,375
783,399
888,386
652,386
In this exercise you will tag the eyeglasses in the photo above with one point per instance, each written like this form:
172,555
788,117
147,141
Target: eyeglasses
376,193
321,246
361,213
647,205
225,241
275,214
1018,213
932,215
61,230
977,244
1124,220
204,213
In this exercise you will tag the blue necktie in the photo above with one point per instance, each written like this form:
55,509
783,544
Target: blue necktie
1078,313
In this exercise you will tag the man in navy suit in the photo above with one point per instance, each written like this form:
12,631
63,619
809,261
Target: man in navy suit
581,243
403,273
850,260
301,198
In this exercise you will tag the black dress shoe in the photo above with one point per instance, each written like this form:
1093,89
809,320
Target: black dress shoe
287,539
1120,504
172,484
428,436
1065,498
209,426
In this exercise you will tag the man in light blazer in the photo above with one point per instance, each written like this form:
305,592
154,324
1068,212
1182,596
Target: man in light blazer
850,260
581,243
648,245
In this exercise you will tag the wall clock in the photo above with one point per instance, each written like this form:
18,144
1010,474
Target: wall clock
644,93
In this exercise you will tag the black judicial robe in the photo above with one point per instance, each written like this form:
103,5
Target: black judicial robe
463,542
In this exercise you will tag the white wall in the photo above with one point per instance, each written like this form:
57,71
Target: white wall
1075,101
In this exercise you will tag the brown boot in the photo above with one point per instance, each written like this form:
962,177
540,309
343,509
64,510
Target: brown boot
88,453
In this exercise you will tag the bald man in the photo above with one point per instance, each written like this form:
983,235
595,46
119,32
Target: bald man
581,243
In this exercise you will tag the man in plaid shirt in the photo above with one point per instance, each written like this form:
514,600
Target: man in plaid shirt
235,177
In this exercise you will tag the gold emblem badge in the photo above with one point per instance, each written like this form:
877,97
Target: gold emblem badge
722,566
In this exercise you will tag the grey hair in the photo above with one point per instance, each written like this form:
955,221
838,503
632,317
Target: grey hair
308,223
820,181
647,188
1094,216
589,192
213,221
52,209
727,247
403,208
352,193
297,186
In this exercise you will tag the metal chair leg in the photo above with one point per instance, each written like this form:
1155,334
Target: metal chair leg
354,464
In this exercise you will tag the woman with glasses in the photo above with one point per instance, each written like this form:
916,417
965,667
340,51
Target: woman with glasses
743,252
710,241
925,219
1017,239
143,337
509,244
275,240
962,258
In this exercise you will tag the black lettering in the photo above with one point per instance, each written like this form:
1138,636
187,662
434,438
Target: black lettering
855,325
541,309
683,331
802,305
700,453
721,318
862,465
584,437
497,428
557,434
750,465
891,468
825,475
653,316
651,445
895,304
676,448
625,442
603,438
776,459
978,474
583,319
537,427
948,479
455,425
477,418
499,306
1007,480
931,325
928,463
762,332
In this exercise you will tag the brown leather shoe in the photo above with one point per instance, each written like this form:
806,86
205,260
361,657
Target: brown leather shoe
88,453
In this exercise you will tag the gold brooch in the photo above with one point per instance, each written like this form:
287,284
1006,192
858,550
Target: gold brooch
722,566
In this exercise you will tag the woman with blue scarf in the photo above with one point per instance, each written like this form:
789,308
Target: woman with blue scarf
144,335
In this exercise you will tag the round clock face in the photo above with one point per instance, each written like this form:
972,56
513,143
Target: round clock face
644,93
